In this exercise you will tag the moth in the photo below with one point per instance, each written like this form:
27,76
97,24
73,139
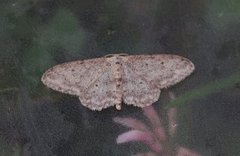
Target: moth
116,78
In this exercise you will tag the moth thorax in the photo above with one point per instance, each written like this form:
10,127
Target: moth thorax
117,70
117,74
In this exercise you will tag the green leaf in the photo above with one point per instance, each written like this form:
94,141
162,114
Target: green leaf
206,90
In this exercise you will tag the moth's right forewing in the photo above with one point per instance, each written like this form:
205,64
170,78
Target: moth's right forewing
163,70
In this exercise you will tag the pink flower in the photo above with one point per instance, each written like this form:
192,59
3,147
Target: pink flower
137,135
152,134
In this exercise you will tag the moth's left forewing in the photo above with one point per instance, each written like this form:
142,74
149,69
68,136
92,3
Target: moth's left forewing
73,77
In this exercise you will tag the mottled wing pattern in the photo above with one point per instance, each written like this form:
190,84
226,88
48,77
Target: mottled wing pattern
91,80
137,90
143,76
73,77
101,93
161,70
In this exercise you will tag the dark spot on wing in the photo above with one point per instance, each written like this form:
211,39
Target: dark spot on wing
108,64
182,59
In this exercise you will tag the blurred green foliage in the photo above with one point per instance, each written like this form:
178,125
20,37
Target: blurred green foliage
5,149
62,31
115,33
62,34
222,14
15,7
7,48
207,89
29,47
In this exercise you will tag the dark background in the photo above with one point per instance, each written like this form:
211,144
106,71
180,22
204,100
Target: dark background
37,34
